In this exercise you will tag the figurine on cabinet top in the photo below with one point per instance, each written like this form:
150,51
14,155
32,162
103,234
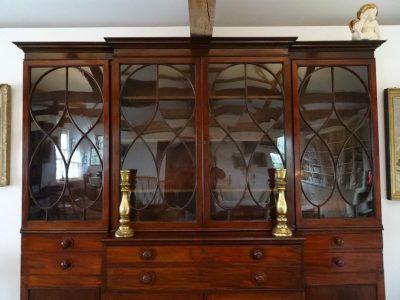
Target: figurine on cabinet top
365,27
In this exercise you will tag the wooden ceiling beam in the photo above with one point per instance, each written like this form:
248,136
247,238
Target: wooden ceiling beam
201,17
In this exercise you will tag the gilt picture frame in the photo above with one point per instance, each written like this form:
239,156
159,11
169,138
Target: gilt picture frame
392,135
5,127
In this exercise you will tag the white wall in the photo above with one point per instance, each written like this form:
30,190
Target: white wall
388,66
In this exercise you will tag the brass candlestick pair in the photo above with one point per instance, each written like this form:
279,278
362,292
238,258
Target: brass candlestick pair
128,184
281,229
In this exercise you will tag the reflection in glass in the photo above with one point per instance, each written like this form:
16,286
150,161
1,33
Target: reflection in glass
66,150
335,133
246,132
158,140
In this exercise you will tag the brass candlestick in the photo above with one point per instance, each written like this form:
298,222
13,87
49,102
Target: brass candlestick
281,229
128,180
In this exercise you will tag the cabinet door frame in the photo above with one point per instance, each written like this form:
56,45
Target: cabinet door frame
369,222
286,79
27,224
115,143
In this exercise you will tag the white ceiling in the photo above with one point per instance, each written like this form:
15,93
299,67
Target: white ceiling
138,13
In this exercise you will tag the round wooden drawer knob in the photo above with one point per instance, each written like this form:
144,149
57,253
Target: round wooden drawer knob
147,277
259,277
148,254
258,254
66,243
339,262
338,241
65,264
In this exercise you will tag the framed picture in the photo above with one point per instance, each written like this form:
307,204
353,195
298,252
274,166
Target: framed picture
5,124
392,134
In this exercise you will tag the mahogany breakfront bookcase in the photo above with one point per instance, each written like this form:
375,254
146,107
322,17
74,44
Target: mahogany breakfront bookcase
202,122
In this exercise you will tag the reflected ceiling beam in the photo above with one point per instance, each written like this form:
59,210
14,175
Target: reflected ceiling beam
201,17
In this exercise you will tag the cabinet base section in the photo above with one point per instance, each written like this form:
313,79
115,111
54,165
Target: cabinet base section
342,286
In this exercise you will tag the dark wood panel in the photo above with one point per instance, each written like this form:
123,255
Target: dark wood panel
342,292
257,296
152,296
85,281
64,294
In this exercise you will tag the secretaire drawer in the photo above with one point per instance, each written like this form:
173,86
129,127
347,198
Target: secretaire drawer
263,254
67,242
343,240
203,278
366,261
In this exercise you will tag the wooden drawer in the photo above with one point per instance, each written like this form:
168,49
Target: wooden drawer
272,255
340,292
219,296
64,280
64,242
152,296
343,240
257,296
64,294
61,264
366,261
204,278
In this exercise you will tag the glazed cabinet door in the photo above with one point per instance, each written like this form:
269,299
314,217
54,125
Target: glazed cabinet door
158,117
336,146
247,129
203,139
66,130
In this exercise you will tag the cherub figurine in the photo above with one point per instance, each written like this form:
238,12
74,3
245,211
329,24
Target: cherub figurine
365,27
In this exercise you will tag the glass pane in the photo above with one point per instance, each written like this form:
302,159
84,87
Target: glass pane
66,143
336,142
351,98
230,81
246,131
158,140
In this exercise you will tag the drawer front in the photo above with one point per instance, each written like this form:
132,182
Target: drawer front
152,296
343,240
272,255
61,264
339,292
204,278
257,296
367,261
63,242
222,296
65,280
64,294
